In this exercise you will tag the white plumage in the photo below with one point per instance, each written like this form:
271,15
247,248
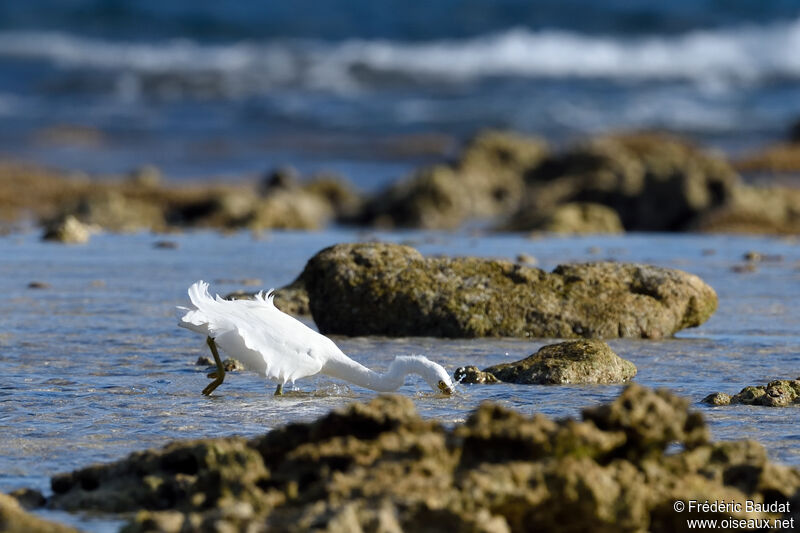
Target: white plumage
283,349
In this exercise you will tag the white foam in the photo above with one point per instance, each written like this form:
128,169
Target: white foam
746,54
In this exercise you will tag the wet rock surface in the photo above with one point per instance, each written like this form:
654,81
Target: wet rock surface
379,466
583,361
388,289
473,375
778,393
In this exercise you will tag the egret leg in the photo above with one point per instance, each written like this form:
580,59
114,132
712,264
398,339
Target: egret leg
219,375
279,390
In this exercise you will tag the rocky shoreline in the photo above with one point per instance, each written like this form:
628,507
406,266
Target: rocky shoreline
380,466
605,184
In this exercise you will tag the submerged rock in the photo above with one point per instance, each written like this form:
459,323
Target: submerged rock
379,466
717,398
778,393
388,289
471,375
583,361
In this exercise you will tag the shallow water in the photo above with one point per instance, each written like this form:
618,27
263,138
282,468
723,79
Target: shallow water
95,367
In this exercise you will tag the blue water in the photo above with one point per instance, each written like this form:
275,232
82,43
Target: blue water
95,367
219,89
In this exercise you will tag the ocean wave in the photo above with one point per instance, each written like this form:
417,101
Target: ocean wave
746,54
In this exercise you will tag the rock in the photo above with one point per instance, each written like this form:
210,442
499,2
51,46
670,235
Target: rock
68,230
378,466
650,420
582,361
774,210
290,209
526,259
654,182
113,211
744,269
758,257
781,158
778,393
28,498
285,178
147,176
471,375
337,192
717,398
568,218
13,519
232,365
291,299
388,289
486,181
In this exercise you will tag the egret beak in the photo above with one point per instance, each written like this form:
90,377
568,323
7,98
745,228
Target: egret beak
445,389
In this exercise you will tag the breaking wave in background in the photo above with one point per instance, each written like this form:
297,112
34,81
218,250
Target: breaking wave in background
741,55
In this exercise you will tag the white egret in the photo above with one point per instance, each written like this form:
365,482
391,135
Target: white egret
283,349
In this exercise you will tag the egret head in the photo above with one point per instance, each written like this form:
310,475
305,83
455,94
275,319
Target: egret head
438,379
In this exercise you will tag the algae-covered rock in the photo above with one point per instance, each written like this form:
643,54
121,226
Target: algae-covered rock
650,420
487,180
68,230
472,375
388,289
777,393
569,218
654,182
583,361
378,466
717,398
291,299
755,210
14,519
114,211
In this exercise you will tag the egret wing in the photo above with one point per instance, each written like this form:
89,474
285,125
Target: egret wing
262,337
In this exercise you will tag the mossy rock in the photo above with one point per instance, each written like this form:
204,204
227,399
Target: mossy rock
388,289
583,361
380,466
487,180
654,182
570,218
471,375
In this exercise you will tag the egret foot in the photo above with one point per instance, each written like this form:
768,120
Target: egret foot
219,375
279,390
